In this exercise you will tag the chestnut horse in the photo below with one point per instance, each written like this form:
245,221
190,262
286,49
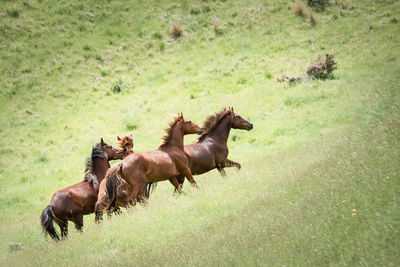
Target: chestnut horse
211,150
71,203
164,163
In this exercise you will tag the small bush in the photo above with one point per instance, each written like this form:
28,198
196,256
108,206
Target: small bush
194,11
13,12
157,35
299,9
162,47
322,68
268,75
176,30
131,126
206,9
119,85
318,4
86,48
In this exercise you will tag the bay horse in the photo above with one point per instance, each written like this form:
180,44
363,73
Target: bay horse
211,149
164,163
71,203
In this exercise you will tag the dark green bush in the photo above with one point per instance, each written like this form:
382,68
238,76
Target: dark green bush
318,4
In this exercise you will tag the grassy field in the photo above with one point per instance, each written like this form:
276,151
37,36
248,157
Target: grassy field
320,177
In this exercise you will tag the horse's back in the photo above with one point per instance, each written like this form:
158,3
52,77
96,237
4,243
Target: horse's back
156,165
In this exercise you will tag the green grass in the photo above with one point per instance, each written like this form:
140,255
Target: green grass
318,151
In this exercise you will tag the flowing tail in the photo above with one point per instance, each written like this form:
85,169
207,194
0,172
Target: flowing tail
149,188
107,199
46,219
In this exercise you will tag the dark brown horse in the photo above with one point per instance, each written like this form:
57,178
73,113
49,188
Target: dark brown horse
71,203
164,163
211,150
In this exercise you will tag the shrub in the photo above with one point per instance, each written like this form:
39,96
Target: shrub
322,68
176,30
86,48
299,8
131,126
13,12
268,75
318,4
157,35
194,11
119,85
162,47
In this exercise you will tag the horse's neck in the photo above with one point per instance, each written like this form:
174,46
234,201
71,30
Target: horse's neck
100,167
221,132
176,138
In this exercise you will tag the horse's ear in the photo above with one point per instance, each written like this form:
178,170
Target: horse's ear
102,141
119,139
232,109
131,134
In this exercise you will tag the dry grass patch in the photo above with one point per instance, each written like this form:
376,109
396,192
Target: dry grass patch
322,68
176,30
312,18
217,26
299,8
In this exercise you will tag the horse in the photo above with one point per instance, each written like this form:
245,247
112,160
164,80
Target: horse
71,203
211,149
164,163
126,143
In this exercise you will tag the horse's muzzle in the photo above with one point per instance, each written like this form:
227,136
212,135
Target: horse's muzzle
200,130
249,126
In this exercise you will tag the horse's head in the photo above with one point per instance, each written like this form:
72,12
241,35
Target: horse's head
112,152
238,122
188,126
126,143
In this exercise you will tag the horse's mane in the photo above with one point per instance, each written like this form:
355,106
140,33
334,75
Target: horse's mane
211,122
90,177
169,131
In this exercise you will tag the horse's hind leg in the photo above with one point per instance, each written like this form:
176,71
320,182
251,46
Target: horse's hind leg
78,220
181,179
231,163
220,169
64,228
138,189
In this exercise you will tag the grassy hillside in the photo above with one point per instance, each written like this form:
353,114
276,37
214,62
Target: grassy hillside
319,183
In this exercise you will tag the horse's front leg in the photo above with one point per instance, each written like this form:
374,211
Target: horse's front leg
231,163
188,174
174,182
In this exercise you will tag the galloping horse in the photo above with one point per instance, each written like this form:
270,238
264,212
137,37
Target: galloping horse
211,150
71,203
164,163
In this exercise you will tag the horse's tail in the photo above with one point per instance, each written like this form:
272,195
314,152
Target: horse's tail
46,219
107,199
149,188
